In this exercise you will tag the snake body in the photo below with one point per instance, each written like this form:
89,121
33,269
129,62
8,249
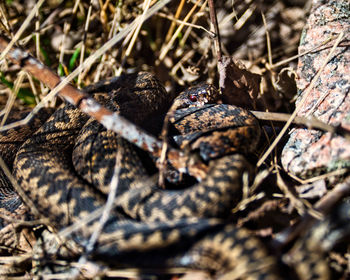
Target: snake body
66,166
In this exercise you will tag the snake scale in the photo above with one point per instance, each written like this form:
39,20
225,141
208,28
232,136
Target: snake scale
65,168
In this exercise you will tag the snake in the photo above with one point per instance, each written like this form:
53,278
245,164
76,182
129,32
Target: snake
66,166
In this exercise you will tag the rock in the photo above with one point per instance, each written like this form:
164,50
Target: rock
311,152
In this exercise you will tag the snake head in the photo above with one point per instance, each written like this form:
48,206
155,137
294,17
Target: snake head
197,96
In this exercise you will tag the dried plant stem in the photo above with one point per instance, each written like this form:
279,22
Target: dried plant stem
4,23
167,47
309,122
23,27
147,4
285,61
192,24
323,206
214,22
66,28
58,84
113,187
82,50
12,97
110,120
74,96
173,24
268,41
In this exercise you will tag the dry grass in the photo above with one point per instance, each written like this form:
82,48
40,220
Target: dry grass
90,41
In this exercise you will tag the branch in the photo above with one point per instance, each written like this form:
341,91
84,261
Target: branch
309,122
323,206
109,119
215,27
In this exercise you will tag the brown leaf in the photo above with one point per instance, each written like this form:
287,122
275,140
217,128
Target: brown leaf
238,85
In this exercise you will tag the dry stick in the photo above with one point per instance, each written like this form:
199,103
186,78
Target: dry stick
309,122
301,103
192,24
285,61
109,119
4,23
66,28
77,225
4,48
130,273
324,206
336,173
173,24
82,49
87,63
245,16
102,63
37,35
91,272
67,231
11,99
21,29
113,187
268,42
136,32
214,22
164,15
33,88
167,47
80,99
18,222
296,203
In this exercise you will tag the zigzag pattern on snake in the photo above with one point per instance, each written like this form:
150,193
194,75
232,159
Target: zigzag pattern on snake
65,168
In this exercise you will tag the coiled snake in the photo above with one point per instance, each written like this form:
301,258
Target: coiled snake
66,166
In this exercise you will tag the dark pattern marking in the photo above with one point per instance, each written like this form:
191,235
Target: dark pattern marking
65,168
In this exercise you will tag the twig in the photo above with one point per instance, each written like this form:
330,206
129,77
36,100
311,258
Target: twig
268,41
12,97
113,187
78,98
323,206
301,103
164,15
192,24
83,43
60,84
173,24
285,61
23,27
295,202
18,223
136,32
167,47
79,224
309,122
214,22
66,28
335,173
110,120
4,23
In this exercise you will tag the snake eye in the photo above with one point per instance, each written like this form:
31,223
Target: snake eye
193,98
